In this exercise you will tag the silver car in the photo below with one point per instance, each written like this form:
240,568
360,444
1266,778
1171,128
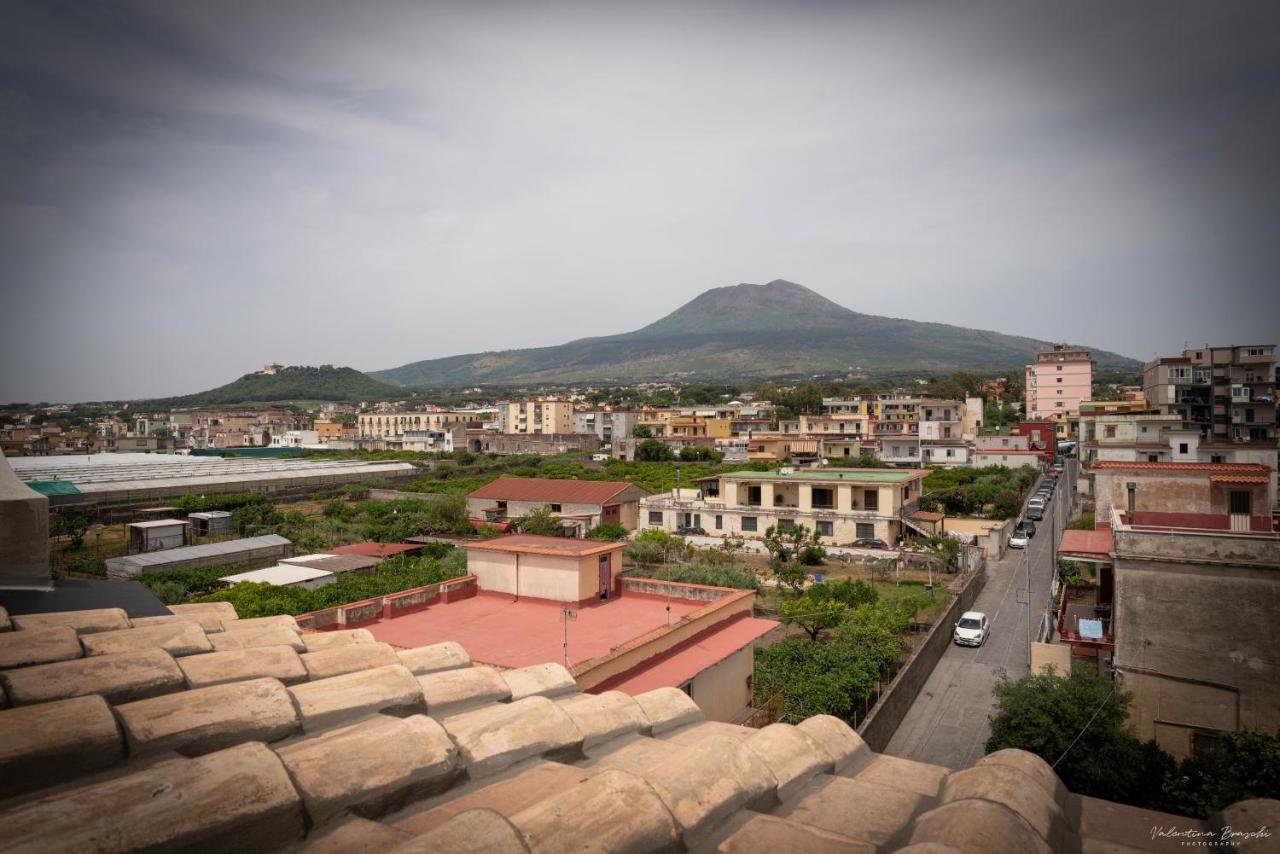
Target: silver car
971,629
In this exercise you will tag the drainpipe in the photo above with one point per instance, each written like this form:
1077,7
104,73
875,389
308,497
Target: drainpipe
517,590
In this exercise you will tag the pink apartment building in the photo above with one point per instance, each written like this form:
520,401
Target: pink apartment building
1057,383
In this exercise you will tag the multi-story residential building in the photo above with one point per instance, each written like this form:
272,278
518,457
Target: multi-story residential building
1042,436
1226,393
390,425
840,504
295,439
334,431
1188,562
1057,383
433,440
544,416
1012,451
688,427
607,424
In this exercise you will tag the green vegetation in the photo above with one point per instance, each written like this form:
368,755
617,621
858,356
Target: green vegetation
995,490
394,574
833,677
540,521
293,383
1084,523
475,470
1046,713
701,573
609,531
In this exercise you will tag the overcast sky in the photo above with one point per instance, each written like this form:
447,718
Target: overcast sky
191,189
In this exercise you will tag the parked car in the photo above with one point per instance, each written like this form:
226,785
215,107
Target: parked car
971,629
1027,527
1018,539
691,531
1036,514
870,543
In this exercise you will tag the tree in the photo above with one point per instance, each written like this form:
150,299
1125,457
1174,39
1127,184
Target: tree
640,431
1008,505
699,453
812,612
814,678
731,546
1076,722
540,521
607,531
653,451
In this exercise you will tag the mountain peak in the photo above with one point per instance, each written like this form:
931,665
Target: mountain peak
779,305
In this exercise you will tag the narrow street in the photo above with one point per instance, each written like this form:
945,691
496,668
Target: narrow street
948,723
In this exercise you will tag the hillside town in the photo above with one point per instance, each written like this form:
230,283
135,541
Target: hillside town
702,559
663,428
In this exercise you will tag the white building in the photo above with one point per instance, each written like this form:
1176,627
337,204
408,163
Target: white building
295,439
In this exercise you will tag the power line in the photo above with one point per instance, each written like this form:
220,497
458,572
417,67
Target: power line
1080,734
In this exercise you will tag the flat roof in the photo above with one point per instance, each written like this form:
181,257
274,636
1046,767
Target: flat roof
1097,544
553,490
229,549
372,549
687,660
334,563
280,574
539,545
831,474
497,629
82,594
159,523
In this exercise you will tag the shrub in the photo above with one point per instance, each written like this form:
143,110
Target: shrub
609,531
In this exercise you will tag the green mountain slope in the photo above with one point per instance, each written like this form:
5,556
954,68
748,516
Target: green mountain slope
301,382
745,332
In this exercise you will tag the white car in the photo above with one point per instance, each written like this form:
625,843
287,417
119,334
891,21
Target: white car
971,629
1019,539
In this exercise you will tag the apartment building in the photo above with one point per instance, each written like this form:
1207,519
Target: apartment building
542,416
607,424
392,425
676,426
1189,569
1226,393
334,431
1013,451
1057,383
842,505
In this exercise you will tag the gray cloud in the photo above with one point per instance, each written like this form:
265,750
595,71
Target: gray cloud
189,190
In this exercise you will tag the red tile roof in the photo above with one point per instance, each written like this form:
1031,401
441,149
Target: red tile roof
1205,468
372,549
676,668
927,516
1239,478
554,546
1098,543
551,490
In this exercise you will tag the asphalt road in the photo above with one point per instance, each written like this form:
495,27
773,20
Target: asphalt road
948,723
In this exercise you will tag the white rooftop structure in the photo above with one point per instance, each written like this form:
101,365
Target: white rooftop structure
226,553
159,523
285,575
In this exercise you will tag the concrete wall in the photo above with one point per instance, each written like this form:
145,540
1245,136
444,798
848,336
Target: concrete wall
877,728
24,533
722,690
1197,640
557,579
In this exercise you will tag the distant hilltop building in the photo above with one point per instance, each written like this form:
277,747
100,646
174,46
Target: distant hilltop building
271,369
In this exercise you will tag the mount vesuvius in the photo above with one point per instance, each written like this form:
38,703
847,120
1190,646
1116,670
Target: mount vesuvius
744,332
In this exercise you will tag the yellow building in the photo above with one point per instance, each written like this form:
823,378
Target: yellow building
538,416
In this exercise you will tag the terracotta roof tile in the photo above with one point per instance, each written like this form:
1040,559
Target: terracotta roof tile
1205,468
552,490
434,755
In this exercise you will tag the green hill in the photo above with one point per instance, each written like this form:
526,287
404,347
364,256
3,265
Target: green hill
746,332
301,382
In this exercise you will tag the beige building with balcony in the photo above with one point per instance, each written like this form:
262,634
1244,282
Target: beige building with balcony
842,505
545,416
392,425
1225,393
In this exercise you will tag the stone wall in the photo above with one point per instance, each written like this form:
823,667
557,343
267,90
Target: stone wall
879,726
658,587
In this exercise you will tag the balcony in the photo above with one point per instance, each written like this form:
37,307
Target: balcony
1086,625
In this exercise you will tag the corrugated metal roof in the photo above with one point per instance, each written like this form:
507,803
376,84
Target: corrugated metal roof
280,574
552,491
226,548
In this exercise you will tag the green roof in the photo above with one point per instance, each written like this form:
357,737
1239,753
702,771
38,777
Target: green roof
831,474
53,487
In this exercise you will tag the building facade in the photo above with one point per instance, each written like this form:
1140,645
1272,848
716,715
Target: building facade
842,505
1226,393
541,416
1057,383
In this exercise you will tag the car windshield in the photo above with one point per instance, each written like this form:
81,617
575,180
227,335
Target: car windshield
970,623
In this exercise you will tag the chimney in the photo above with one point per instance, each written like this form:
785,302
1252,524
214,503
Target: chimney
24,534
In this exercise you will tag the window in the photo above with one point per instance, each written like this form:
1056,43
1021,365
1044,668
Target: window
1059,379
1182,447
555,508
1153,458
1218,458
1240,502
825,529
719,522
748,523
1203,745
655,517
786,524
951,452
865,530
870,499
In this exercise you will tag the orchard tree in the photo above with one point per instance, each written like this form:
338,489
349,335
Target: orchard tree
541,521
